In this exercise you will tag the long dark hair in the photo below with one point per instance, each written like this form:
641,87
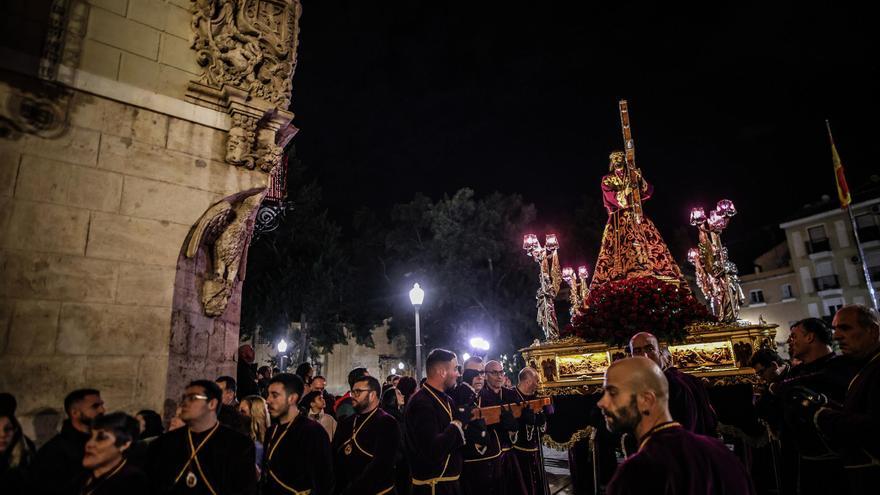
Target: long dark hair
152,423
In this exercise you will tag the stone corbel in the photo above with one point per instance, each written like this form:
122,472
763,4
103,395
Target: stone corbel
248,51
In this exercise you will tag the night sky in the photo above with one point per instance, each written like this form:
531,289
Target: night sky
727,100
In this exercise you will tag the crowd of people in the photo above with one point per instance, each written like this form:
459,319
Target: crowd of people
272,433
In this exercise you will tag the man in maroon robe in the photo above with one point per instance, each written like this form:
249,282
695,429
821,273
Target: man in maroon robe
854,429
688,400
434,431
365,445
492,468
670,459
531,425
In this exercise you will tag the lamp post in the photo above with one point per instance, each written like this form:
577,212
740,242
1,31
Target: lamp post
416,297
282,348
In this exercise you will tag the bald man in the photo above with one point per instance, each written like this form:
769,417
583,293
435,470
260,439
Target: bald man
688,400
491,467
670,460
530,426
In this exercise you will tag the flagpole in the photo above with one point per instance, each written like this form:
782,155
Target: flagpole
848,207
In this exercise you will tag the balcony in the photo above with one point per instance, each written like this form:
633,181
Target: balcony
818,245
827,282
869,233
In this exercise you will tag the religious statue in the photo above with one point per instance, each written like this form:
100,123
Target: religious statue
717,276
226,228
631,244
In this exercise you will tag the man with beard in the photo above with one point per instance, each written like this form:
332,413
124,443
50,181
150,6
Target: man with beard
688,400
365,445
854,429
491,468
297,451
59,462
670,459
434,429
204,457
530,425
471,381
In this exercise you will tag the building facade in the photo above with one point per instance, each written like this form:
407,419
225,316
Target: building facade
820,270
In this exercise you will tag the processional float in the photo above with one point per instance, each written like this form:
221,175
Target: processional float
636,286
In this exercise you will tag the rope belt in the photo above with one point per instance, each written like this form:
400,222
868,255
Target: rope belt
292,490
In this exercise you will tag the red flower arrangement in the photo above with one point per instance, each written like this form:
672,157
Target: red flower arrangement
617,310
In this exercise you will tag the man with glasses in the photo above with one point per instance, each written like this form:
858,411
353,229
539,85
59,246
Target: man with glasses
472,376
205,457
365,445
297,451
494,468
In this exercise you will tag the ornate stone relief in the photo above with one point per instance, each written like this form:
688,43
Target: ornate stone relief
35,108
225,230
248,51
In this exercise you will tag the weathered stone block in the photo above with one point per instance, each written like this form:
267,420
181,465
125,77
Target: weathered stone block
112,330
117,31
7,307
153,162
9,160
34,327
151,199
177,52
124,238
115,6
42,179
114,377
100,59
38,275
78,146
173,81
53,228
149,12
196,139
178,21
149,127
41,381
118,119
145,285
139,71
150,385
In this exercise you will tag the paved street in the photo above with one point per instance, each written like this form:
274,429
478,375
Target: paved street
556,464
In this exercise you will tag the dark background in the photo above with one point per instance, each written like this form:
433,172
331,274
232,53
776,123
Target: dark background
727,100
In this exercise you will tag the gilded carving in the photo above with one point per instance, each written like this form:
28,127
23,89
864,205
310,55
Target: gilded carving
248,51
225,228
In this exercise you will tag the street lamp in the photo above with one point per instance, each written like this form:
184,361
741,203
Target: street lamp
480,343
393,371
400,365
282,348
416,297
465,356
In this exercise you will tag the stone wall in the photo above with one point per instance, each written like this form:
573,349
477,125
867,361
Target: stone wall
378,359
91,226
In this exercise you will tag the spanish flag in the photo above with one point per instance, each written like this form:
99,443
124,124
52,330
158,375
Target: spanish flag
842,188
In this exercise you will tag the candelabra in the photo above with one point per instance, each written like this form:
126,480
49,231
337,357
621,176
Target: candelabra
579,289
717,276
550,278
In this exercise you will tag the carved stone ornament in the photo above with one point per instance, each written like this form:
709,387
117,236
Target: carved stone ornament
225,230
248,51
35,108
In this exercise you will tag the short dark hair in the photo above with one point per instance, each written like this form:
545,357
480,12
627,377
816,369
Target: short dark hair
407,386
212,390
152,423
765,357
306,401
77,396
816,327
303,369
355,375
292,384
437,357
372,384
124,427
262,370
227,382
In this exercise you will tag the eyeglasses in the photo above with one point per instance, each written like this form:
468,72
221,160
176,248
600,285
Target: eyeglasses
192,397
358,391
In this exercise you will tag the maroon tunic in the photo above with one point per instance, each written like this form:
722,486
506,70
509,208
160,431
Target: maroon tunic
297,456
527,454
674,461
689,403
495,470
364,451
433,444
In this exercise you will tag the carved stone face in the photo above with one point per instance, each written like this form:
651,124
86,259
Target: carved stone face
236,145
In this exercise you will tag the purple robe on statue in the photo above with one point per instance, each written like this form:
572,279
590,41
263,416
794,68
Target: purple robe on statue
674,461
689,403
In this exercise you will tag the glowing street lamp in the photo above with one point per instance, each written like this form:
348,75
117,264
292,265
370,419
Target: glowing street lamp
282,348
480,343
465,356
393,371
417,297
400,365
